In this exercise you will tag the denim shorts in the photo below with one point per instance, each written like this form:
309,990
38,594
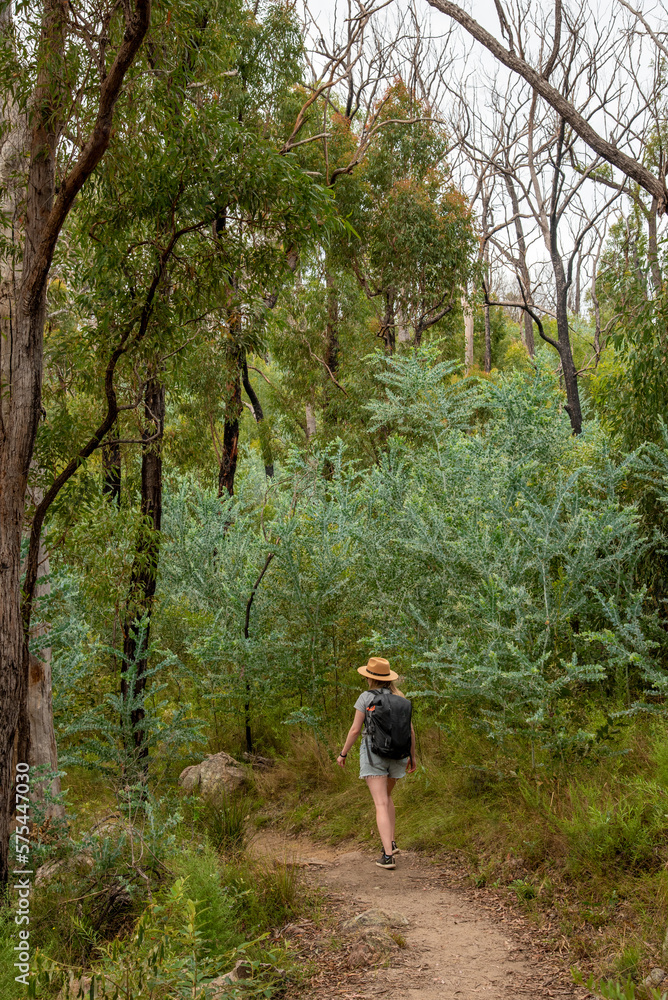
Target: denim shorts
372,764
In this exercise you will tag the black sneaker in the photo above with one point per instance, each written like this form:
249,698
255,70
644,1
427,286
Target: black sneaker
395,849
386,861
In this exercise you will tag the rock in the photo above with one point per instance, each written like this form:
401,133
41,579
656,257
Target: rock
217,776
51,869
219,987
379,939
360,956
242,970
113,826
376,918
655,978
47,871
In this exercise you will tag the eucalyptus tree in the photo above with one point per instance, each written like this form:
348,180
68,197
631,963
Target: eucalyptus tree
416,241
158,259
62,72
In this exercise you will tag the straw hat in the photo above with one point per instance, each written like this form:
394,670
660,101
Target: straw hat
377,669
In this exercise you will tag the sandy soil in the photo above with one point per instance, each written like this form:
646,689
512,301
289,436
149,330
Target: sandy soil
456,946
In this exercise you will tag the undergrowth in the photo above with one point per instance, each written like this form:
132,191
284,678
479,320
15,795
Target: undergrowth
581,840
162,904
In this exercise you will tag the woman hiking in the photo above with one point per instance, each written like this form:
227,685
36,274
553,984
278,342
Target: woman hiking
380,773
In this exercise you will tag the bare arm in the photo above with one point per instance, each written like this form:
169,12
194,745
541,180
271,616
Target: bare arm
353,733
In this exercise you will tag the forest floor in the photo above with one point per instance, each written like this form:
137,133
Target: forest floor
460,943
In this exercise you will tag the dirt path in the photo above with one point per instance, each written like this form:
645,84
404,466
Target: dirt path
455,949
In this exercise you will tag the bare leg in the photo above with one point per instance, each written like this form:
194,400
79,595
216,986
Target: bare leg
391,782
378,788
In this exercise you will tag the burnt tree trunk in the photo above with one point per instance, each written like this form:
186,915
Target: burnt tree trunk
487,270
143,578
233,409
562,284
488,339
388,323
568,368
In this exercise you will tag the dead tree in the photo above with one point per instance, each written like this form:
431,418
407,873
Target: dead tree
533,150
612,53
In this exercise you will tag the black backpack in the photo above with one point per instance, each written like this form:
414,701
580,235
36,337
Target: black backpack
388,724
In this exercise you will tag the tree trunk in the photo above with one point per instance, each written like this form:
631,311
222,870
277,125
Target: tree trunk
332,331
488,339
487,268
228,462
331,350
20,402
561,287
468,333
21,356
145,567
388,323
568,369
311,426
233,408
652,248
527,333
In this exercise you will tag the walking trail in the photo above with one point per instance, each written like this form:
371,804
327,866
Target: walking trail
458,944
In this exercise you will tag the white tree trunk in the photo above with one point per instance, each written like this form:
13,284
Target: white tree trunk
310,421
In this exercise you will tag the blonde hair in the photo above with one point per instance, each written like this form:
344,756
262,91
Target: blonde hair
384,684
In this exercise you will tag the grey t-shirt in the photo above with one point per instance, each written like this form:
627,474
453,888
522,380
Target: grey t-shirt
365,699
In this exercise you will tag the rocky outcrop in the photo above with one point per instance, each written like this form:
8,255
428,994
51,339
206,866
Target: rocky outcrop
214,778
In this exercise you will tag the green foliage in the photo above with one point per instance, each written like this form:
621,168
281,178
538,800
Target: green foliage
8,940
225,823
163,955
113,737
630,389
611,989
620,831
488,551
